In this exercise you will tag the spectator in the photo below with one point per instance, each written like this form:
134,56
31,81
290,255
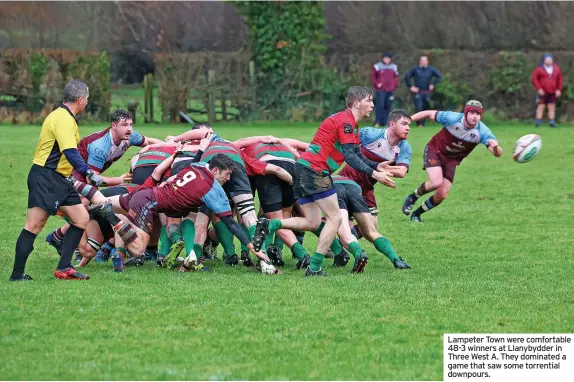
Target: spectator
385,80
547,79
426,78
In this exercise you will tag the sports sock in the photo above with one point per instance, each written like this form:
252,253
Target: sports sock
24,247
420,191
428,204
164,242
552,123
198,249
269,240
316,261
249,233
123,253
71,241
298,251
58,235
383,245
278,242
538,122
275,225
188,232
174,232
355,249
300,236
225,238
317,232
356,231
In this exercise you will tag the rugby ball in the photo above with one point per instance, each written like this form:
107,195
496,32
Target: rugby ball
527,148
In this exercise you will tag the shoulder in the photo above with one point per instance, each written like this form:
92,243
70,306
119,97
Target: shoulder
448,117
370,134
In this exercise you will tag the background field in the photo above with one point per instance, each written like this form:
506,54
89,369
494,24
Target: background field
495,257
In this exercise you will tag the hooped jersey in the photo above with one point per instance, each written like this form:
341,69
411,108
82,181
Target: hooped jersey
258,149
325,153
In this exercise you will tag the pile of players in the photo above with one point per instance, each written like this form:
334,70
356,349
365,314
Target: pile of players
190,193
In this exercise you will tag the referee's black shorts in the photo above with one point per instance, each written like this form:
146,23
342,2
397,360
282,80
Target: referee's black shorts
49,190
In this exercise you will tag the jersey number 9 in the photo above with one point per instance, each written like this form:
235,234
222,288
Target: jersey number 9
185,179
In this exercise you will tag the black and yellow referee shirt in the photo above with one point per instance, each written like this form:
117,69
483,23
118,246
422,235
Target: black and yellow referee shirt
59,132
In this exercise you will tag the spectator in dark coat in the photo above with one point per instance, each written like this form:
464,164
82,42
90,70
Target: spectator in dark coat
547,79
385,80
426,77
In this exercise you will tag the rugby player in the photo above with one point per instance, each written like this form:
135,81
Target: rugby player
48,189
460,134
198,184
353,205
335,142
276,196
383,145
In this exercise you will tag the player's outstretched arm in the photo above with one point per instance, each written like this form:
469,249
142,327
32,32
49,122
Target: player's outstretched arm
158,172
236,230
243,142
425,114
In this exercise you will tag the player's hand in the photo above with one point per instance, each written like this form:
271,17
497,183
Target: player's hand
270,139
205,141
170,138
126,178
95,179
558,93
494,147
386,166
259,254
540,92
414,89
384,177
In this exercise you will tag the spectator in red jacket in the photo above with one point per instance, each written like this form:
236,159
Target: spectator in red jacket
385,79
547,79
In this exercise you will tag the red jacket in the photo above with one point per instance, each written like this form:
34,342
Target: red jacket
386,75
549,83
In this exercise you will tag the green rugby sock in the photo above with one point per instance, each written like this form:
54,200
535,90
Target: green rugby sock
164,242
278,243
355,249
384,246
198,250
298,250
225,238
316,261
268,240
188,231
174,232
275,225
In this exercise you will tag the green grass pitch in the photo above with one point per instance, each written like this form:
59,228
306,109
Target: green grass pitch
495,257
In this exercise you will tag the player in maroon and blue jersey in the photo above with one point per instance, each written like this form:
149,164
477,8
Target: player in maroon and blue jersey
101,149
198,184
460,134
336,141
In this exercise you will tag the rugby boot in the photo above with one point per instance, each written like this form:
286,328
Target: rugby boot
275,256
360,263
401,264
408,204
232,260
320,272
261,230
304,262
70,273
341,259
22,277
246,259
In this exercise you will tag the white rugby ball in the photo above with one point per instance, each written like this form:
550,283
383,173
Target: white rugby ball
527,148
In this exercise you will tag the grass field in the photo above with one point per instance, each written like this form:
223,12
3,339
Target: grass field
496,257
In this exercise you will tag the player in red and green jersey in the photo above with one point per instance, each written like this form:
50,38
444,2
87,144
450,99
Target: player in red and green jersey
238,190
276,196
144,162
335,142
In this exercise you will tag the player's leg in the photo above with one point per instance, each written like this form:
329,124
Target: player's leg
226,239
329,207
425,105
56,237
173,230
128,245
440,194
79,218
350,241
36,219
539,110
380,242
91,242
418,102
551,114
433,167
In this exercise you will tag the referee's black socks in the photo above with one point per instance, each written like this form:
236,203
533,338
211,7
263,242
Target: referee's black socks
24,247
71,242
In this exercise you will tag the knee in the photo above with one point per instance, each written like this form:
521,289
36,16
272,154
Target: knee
335,219
81,221
434,184
35,227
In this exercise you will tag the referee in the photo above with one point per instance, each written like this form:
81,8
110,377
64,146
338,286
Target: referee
49,190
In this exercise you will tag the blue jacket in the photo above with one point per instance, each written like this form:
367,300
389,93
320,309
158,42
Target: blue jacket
423,77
